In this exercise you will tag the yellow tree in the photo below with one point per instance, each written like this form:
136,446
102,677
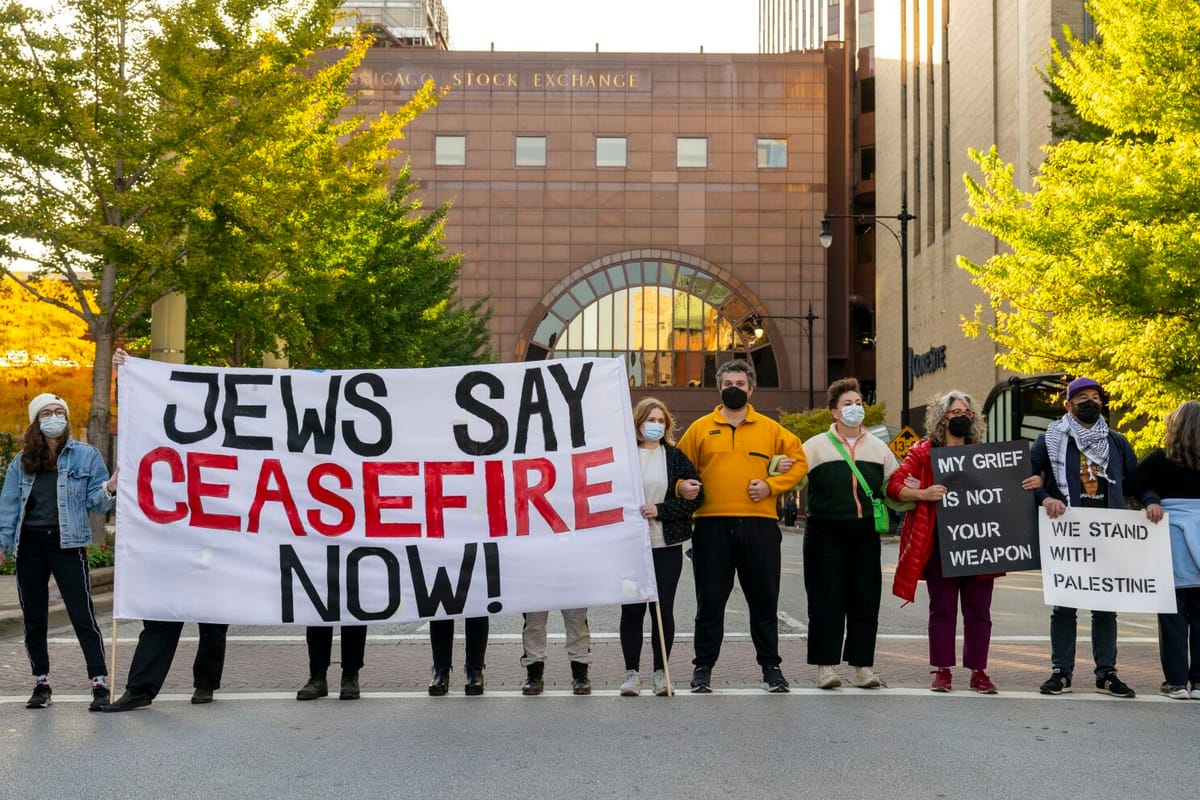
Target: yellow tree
42,348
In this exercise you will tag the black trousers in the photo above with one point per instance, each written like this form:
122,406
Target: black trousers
749,548
441,639
668,564
843,578
156,650
1179,639
40,555
320,648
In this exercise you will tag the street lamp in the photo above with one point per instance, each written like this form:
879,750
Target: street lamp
826,239
810,318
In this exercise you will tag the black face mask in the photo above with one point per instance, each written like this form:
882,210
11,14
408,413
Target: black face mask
959,427
1087,412
733,398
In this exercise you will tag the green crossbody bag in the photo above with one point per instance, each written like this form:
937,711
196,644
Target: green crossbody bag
882,521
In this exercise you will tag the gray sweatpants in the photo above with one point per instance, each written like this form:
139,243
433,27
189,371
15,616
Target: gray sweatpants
579,638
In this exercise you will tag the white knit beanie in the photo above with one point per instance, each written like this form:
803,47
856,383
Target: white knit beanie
43,400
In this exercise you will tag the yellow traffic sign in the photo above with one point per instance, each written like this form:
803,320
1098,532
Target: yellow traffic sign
903,440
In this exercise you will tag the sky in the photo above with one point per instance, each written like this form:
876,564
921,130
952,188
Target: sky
639,26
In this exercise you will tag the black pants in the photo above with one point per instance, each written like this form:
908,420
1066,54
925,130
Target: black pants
40,555
320,648
156,650
441,639
668,564
842,577
749,547
1179,639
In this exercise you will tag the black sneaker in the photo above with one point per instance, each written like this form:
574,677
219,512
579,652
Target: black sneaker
702,679
773,680
1057,683
100,697
128,701
1111,684
40,697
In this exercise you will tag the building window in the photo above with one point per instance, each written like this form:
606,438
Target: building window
866,164
610,151
866,95
772,153
450,151
531,151
671,324
691,152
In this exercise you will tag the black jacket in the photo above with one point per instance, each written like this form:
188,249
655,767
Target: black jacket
1121,464
674,512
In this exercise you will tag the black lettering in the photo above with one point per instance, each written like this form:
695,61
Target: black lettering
299,432
210,409
467,402
441,594
574,397
533,401
353,598
290,565
379,389
491,565
232,410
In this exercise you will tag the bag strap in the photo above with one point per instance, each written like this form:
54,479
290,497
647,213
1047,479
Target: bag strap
862,482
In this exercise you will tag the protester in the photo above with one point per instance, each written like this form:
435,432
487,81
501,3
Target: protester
441,640
320,652
951,419
668,518
49,489
1169,480
1086,465
737,528
842,572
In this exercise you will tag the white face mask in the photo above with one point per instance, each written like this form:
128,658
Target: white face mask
53,427
852,416
653,431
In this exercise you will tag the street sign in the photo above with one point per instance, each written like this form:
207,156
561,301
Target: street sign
905,439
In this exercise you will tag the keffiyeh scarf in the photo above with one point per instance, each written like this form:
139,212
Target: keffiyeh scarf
1092,443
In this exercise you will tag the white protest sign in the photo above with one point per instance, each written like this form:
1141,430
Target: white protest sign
1106,560
269,497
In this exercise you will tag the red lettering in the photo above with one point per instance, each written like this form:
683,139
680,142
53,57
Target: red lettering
197,490
272,470
145,489
524,494
374,504
335,501
497,511
584,516
436,502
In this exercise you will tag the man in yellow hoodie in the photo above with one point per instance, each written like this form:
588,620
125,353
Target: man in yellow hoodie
737,529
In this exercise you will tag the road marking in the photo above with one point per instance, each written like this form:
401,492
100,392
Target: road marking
790,621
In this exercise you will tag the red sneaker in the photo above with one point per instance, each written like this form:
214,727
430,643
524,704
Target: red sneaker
941,679
981,683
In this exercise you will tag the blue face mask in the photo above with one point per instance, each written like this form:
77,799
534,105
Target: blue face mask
653,431
53,427
852,416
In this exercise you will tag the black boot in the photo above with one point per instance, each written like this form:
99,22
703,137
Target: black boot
579,678
316,687
474,681
533,681
440,683
350,688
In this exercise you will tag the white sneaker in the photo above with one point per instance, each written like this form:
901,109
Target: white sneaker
1196,691
660,683
1174,692
632,685
827,678
864,678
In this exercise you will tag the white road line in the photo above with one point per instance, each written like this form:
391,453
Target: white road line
682,636
790,621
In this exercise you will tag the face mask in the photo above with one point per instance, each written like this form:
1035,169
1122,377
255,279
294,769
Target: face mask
852,416
733,398
53,427
653,431
1087,412
959,427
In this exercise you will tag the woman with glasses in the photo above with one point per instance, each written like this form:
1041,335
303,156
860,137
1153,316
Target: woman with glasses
49,489
950,421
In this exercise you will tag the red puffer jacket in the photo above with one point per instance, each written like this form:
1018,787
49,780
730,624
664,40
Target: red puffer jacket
916,537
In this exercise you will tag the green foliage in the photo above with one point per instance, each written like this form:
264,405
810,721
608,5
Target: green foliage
10,445
97,557
807,424
1101,277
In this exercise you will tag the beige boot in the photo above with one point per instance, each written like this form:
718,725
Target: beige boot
864,678
827,678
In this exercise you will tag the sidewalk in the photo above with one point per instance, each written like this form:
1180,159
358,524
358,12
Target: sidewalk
11,621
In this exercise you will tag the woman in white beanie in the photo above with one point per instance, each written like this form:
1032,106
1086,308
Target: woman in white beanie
49,488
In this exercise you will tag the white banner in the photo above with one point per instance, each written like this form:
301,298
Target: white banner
1106,560
269,497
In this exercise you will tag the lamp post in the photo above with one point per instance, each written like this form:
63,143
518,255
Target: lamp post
810,318
826,238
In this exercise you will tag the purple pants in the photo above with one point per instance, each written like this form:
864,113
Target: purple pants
944,594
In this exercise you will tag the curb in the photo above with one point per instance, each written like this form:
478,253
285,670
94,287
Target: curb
12,621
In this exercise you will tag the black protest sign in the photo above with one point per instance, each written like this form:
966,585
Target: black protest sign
986,522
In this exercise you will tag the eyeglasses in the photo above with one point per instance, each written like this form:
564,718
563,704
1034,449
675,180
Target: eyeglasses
961,412
50,413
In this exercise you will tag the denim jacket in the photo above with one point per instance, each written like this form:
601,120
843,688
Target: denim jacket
81,479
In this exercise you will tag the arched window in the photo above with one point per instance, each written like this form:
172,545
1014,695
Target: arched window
673,324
